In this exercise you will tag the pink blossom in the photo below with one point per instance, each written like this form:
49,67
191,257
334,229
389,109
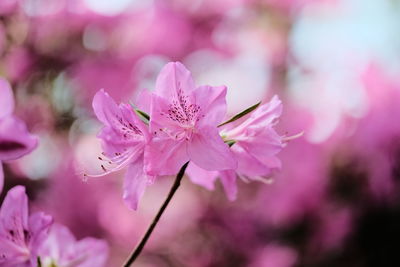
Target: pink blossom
183,120
20,235
15,140
62,249
124,138
256,144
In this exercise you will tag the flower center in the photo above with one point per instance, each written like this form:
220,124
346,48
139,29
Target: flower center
182,111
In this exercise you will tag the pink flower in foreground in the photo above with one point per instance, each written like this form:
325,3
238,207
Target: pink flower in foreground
20,235
256,144
183,122
62,249
124,138
15,140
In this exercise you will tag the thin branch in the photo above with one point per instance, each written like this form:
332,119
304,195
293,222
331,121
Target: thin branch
136,252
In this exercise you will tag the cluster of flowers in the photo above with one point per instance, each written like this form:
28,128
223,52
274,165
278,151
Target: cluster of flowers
34,240
184,125
178,123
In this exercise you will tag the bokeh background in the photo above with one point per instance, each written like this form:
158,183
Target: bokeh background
334,63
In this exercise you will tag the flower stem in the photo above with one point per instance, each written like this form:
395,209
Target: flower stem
138,249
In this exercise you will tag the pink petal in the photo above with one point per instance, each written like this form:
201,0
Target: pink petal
15,140
159,119
11,255
143,100
6,99
165,156
122,123
173,78
93,251
39,224
228,179
105,108
62,247
208,151
201,177
212,101
134,184
248,164
14,215
265,114
262,141
56,244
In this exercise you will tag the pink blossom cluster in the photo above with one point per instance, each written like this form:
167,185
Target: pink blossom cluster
33,240
185,123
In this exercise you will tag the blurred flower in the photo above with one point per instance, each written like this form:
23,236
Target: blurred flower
62,249
20,235
184,121
15,140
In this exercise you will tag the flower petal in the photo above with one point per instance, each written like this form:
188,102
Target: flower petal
15,140
39,225
134,184
165,156
55,245
93,251
208,151
212,101
228,180
248,164
173,78
105,108
159,119
6,99
14,215
201,177
62,248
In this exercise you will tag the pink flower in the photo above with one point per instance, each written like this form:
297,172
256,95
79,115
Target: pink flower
256,144
20,235
15,140
124,138
183,121
62,249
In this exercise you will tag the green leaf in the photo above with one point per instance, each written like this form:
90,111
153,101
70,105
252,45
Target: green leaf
241,114
39,262
143,114
230,142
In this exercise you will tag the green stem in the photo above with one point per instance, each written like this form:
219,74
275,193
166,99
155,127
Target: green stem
136,252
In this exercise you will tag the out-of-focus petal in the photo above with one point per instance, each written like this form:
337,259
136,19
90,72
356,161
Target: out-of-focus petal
248,164
262,141
15,140
228,180
174,77
6,99
212,101
94,252
208,151
62,248
14,215
134,184
39,224
201,177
